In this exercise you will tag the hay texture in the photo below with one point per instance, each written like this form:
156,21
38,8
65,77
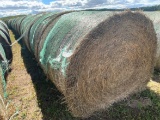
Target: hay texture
95,58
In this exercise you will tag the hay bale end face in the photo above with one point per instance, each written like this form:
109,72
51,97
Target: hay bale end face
112,56
113,61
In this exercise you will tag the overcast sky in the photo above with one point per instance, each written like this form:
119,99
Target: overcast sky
15,7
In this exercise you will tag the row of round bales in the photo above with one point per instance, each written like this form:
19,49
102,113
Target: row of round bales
5,60
95,58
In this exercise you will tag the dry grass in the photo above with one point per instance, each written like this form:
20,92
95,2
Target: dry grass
21,89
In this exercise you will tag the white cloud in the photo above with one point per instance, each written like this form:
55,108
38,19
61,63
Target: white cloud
21,4
15,7
14,12
101,3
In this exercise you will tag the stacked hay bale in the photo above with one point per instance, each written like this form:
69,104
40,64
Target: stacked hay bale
155,17
95,58
5,60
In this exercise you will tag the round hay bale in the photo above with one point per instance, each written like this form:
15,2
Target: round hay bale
27,28
18,23
4,25
95,58
34,31
6,33
6,48
112,58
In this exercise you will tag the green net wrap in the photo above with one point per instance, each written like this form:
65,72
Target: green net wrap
35,26
5,41
65,36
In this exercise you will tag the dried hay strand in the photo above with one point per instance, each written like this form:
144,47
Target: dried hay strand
113,61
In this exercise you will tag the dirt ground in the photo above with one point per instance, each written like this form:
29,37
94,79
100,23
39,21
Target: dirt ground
21,89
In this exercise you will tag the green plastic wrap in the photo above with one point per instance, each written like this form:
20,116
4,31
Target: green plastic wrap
65,36
34,28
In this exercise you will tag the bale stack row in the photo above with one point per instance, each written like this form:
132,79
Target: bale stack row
95,58
5,60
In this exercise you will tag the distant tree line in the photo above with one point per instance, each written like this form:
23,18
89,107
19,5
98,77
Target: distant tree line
10,17
152,8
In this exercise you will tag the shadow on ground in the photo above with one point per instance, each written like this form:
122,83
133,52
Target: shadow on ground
156,76
50,99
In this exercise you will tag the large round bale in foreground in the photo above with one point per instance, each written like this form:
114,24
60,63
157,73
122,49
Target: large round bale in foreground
101,65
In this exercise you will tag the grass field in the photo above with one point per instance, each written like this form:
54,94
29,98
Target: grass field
36,98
